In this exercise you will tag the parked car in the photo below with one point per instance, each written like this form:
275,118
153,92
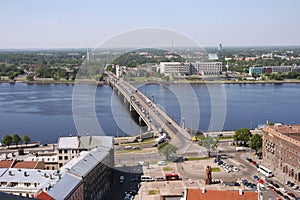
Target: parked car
142,163
282,189
256,177
295,187
160,178
291,194
276,185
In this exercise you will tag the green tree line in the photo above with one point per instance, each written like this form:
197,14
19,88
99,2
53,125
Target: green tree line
15,139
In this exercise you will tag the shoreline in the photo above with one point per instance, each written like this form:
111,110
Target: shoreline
47,81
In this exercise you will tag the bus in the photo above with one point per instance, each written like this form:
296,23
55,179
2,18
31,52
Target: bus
172,177
265,171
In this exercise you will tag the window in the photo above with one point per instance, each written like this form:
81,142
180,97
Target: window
66,158
60,157
59,151
66,151
27,184
13,184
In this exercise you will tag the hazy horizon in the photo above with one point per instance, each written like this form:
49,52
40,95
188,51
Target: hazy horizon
35,24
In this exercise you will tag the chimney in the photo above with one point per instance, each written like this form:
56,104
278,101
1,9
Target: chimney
203,190
240,192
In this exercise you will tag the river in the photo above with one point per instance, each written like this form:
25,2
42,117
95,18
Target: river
44,111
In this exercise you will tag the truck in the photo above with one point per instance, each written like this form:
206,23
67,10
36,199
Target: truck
239,149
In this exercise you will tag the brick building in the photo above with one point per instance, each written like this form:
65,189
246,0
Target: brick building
281,149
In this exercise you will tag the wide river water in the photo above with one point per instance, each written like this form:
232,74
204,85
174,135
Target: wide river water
44,111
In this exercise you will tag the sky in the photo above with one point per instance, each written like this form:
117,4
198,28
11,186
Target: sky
87,23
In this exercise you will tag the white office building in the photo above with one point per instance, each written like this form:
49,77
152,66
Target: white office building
187,68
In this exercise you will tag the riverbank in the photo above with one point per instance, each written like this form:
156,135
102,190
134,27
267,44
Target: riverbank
51,81
90,81
219,82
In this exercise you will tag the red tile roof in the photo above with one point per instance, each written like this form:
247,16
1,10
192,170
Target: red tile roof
6,163
197,194
43,196
25,164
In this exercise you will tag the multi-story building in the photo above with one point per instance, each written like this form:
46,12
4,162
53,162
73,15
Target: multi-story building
94,169
281,149
206,68
89,175
273,69
26,182
174,68
69,147
187,68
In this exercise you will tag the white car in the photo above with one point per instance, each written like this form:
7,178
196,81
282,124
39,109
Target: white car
128,147
282,189
161,163
295,187
142,163
235,169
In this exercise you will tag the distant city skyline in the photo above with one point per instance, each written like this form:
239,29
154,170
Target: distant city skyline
82,24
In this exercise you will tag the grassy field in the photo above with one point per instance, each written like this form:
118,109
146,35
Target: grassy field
215,169
197,158
153,192
168,168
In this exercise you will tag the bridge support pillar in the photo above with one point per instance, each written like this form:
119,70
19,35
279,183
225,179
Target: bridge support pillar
130,107
140,120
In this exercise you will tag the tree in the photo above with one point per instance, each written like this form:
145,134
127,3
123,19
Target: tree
6,140
256,142
16,139
166,149
26,139
242,135
209,143
30,77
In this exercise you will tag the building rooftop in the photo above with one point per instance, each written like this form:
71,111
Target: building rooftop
44,196
26,164
68,182
84,162
6,163
84,142
292,131
203,194
42,177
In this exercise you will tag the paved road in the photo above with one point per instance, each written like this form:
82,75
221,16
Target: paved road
154,116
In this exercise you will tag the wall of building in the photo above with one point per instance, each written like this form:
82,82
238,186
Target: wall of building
282,152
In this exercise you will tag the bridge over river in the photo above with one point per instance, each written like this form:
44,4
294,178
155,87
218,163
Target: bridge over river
151,114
